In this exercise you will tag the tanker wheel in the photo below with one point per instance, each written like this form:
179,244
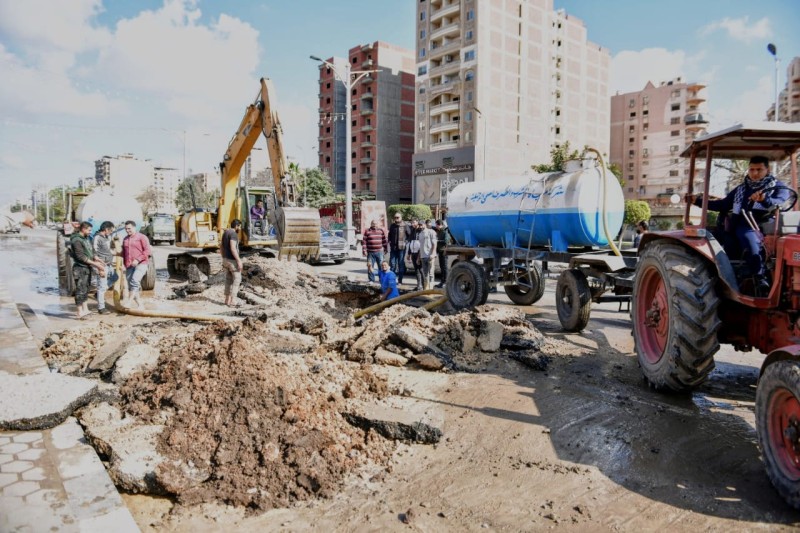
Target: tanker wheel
172,266
466,285
675,320
522,295
778,427
573,300
69,278
149,279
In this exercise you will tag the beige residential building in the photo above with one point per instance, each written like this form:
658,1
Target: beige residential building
499,84
165,186
789,99
649,130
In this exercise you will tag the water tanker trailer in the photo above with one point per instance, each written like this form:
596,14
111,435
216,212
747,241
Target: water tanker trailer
507,231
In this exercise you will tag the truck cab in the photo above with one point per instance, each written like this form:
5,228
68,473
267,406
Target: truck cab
160,227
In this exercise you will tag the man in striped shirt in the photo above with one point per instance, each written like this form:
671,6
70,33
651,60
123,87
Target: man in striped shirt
374,244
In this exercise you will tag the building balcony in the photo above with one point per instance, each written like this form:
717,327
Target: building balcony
367,64
440,50
366,47
453,87
446,31
366,176
694,99
367,111
445,108
366,127
445,67
695,121
450,125
444,145
367,144
366,95
366,160
448,8
696,86
367,79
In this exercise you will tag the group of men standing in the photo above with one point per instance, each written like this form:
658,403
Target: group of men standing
96,254
417,238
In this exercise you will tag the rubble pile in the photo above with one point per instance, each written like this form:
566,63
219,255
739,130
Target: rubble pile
463,341
249,425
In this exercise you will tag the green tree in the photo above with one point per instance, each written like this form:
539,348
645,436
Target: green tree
558,156
617,171
636,211
148,200
410,211
183,197
314,186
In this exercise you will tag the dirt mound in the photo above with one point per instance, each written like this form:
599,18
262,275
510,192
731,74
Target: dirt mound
252,427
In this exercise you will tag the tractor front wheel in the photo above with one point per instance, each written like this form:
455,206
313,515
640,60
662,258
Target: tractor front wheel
675,320
778,427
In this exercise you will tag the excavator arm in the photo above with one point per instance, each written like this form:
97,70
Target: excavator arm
297,228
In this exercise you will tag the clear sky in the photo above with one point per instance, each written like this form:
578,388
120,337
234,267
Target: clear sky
87,78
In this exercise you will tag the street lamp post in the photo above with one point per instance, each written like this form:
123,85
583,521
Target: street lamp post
774,51
348,79
483,118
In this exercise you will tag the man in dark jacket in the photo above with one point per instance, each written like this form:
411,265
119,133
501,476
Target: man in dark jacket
399,235
442,240
758,194
83,254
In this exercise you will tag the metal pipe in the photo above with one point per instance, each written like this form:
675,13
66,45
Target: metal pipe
401,298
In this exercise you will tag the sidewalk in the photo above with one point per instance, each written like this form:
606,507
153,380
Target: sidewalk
50,480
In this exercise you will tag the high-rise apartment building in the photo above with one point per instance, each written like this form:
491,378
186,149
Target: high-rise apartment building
382,122
499,84
789,99
165,186
127,174
649,130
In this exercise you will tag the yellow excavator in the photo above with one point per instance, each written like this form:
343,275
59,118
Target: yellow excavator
286,231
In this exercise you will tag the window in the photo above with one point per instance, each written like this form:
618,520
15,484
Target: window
675,120
469,76
675,133
645,113
631,153
422,52
670,190
353,155
631,129
471,14
421,108
673,149
353,123
354,60
353,107
422,90
328,129
633,114
630,189
328,144
469,115
353,171
645,100
422,16
447,162
644,176
469,96
354,92
328,85
328,100
327,159
631,103
673,172
645,152
421,71
469,35
676,93
469,55
675,107
630,177
468,136
353,139
421,34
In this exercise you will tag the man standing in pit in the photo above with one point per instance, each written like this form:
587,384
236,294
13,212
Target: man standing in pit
83,254
136,255
231,262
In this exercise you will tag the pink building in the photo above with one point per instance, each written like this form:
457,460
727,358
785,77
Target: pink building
649,130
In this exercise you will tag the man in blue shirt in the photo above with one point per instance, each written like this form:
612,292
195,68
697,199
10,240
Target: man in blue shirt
759,194
388,282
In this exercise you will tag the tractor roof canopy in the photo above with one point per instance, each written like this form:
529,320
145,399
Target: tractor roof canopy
776,140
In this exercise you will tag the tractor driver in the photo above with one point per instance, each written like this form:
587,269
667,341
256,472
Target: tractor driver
257,214
759,193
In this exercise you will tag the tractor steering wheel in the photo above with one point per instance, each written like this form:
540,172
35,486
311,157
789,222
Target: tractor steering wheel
788,203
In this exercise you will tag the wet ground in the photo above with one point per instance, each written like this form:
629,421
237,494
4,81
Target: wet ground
584,444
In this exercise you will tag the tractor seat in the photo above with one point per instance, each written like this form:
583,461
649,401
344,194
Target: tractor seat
789,224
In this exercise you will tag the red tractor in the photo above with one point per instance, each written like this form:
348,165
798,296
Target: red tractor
690,295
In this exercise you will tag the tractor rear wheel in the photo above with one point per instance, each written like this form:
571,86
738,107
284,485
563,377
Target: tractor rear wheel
675,320
522,295
778,427
61,262
573,300
466,285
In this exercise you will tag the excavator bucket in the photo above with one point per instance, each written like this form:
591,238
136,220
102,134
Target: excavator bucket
298,232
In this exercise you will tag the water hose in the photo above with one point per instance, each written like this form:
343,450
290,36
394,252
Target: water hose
406,296
605,200
118,289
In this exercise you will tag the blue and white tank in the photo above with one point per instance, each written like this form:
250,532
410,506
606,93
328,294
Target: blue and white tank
561,209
